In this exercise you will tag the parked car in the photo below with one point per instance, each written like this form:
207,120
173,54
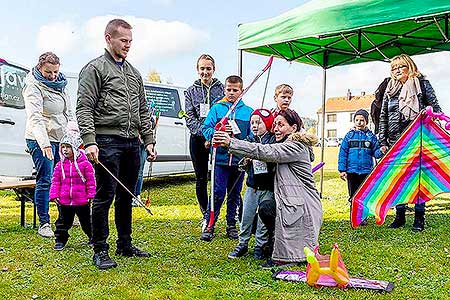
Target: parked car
319,143
333,142
172,135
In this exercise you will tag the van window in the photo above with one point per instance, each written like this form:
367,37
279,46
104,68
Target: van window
166,100
11,84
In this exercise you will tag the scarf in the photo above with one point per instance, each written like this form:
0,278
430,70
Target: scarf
408,101
58,85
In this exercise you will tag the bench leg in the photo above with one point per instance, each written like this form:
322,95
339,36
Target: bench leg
34,215
22,210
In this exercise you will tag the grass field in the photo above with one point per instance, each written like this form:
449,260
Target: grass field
182,267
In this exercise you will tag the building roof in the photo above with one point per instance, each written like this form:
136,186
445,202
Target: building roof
341,104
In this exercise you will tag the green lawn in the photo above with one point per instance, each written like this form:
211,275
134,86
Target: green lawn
182,267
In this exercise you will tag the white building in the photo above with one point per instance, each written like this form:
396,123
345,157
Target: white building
339,112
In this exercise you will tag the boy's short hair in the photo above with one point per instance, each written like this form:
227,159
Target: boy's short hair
234,79
284,88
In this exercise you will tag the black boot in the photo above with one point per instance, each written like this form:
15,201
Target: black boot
399,218
419,221
207,234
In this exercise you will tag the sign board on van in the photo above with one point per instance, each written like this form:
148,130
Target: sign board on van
11,84
166,100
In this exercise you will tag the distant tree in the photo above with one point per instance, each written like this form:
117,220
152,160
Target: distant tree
312,130
309,123
153,76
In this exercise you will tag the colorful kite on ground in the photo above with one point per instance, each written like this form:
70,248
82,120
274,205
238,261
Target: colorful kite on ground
415,170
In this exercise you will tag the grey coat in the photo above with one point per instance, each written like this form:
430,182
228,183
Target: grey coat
196,94
299,210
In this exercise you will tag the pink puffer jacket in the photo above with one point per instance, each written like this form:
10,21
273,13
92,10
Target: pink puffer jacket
70,189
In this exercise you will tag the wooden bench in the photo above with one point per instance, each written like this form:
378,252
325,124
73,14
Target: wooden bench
23,190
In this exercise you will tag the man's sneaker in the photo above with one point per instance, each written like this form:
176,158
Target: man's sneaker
59,246
46,231
103,261
207,235
232,233
239,251
132,251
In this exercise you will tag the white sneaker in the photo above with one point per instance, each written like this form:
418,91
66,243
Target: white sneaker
46,231
134,202
204,223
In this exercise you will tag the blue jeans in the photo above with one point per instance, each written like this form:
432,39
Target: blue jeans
140,180
227,180
44,168
252,199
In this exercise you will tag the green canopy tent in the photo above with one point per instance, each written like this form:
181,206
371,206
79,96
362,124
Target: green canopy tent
329,33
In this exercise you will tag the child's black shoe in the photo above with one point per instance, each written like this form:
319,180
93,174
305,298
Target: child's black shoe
232,233
59,246
103,261
258,253
239,251
207,235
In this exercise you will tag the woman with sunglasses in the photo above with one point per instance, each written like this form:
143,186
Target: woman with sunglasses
199,98
407,93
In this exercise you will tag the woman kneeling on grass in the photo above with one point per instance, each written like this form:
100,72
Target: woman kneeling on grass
296,215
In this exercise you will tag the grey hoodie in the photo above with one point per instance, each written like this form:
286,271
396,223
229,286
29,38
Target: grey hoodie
196,94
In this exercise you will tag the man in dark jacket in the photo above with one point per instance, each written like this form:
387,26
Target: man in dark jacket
112,113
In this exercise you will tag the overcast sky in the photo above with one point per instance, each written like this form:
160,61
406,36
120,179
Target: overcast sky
169,35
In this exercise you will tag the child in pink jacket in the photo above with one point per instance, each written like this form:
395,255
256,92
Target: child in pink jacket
73,187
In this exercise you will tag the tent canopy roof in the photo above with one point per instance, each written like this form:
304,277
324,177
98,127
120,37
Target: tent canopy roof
329,33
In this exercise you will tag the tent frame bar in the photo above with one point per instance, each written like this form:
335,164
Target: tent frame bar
361,33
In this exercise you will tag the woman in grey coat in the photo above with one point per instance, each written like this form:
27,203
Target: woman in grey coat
298,216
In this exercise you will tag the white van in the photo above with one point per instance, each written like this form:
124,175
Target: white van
172,134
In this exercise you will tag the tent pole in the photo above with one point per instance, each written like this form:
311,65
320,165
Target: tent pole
240,63
322,153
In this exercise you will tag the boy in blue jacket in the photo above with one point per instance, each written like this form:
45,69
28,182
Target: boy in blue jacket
227,177
357,151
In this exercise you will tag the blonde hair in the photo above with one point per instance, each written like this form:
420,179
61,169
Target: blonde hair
405,59
284,88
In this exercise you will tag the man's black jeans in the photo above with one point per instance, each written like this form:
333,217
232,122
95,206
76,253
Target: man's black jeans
122,157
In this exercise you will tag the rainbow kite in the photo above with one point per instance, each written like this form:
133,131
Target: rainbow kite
415,170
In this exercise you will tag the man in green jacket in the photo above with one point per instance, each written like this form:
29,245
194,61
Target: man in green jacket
112,113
